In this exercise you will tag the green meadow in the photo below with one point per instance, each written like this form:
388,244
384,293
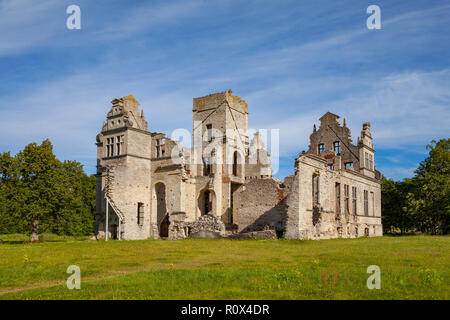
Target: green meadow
412,267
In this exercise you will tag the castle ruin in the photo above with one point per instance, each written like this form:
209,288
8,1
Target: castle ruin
149,186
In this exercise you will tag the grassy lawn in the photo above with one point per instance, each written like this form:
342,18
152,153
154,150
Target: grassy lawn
412,267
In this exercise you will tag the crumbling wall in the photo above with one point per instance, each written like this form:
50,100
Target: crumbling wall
330,131
127,196
329,218
258,164
259,204
181,228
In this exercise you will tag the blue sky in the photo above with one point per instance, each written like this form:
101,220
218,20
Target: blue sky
290,60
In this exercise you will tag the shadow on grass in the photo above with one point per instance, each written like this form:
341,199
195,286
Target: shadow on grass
409,234
11,242
29,242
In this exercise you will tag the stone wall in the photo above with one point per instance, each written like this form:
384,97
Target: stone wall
330,218
331,131
259,204
126,199
179,198
180,228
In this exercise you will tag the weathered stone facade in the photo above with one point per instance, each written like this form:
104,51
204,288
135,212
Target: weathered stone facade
148,186
336,190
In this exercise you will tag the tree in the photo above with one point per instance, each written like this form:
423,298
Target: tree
40,193
421,203
8,194
39,172
394,205
429,200
392,202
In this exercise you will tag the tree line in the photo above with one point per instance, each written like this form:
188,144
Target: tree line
421,203
39,193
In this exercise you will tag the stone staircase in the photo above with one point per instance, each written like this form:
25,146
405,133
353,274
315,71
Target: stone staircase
109,179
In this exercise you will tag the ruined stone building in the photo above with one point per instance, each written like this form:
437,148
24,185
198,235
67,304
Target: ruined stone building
148,186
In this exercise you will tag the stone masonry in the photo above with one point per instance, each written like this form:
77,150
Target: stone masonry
151,187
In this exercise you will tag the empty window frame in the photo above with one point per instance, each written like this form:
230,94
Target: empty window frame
206,166
320,148
349,164
337,147
119,144
315,189
140,214
354,203
107,147
372,203
337,190
331,166
160,147
209,132
366,160
110,147
366,202
347,198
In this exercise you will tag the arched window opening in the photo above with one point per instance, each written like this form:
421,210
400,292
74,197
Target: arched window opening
206,166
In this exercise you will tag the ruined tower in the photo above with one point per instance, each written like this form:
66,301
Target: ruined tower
123,155
220,125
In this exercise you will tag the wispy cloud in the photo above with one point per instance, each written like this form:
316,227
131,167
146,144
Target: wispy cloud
147,15
25,23
291,62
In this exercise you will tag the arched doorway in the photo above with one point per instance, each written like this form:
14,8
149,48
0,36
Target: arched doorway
161,210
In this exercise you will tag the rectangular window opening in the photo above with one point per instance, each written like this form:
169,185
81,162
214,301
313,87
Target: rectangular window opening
140,214
372,203
119,145
209,132
366,202
354,200
110,147
347,198
315,189
321,148
337,147
338,197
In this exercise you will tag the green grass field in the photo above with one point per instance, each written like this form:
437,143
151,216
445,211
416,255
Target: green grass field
412,267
